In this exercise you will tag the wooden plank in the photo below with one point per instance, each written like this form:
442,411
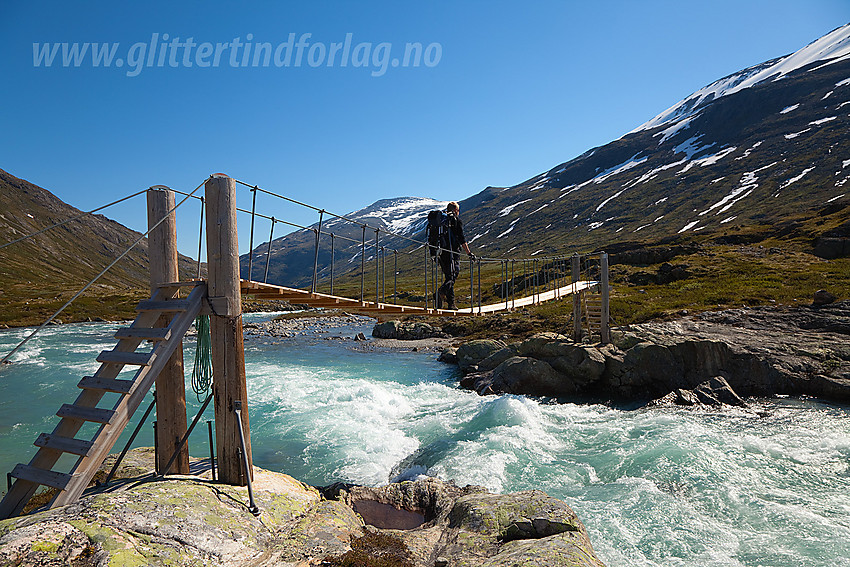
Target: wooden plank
65,444
119,357
97,415
169,305
40,476
106,384
145,333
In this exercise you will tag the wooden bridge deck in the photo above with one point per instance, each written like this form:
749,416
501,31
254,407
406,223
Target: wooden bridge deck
268,291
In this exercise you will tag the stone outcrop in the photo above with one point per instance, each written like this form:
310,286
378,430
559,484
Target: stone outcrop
189,520
470,527
757,352
406,330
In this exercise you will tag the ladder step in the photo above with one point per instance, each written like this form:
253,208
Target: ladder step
97,415
146,333
121,357
163,305
186,283
40,476
106,384
65,444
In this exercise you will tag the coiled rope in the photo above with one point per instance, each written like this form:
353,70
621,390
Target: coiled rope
202,371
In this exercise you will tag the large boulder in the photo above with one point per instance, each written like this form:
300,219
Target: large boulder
526,528
470,354
525,375
183,521
581,364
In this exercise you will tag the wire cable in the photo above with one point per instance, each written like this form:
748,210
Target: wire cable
66,221
97,277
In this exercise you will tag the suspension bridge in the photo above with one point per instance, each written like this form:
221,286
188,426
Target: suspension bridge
149,352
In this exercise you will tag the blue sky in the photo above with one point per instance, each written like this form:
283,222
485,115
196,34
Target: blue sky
511,89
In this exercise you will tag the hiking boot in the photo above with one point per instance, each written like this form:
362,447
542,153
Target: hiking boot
451,307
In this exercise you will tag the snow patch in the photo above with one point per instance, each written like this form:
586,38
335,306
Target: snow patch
507,210
843,83
728,219
836,198
652,174
690,148
826,96
788,109
749,151
795,179
822,121
611,198
709,160
795,134
730,199
688,226
674,129
510,228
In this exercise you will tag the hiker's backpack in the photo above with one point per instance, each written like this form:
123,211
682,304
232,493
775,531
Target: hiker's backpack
439,231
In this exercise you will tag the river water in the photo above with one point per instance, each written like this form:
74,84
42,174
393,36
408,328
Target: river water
655,487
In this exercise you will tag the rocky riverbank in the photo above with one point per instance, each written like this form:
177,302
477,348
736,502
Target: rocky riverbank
800,351
190,520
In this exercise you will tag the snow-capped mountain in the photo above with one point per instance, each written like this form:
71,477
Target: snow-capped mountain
292,256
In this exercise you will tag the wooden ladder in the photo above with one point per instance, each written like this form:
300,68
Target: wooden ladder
180,314
593,312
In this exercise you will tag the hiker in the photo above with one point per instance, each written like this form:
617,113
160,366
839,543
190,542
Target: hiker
449,257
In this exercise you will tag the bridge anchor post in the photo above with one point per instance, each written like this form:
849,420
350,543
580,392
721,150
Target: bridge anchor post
170,384
228,350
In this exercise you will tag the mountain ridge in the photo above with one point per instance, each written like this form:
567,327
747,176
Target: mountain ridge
752,151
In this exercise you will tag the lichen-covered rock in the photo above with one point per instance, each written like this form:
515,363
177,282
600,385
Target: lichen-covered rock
181,521
526,528
471,353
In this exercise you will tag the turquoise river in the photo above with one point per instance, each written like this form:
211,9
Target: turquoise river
662,487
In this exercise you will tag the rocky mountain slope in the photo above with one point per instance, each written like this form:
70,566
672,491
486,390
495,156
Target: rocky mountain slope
759,152
39,274
755,149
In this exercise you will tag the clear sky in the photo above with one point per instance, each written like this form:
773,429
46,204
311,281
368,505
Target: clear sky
502,91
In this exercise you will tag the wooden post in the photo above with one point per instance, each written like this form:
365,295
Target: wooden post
228,351
604,327
170,384
576,275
